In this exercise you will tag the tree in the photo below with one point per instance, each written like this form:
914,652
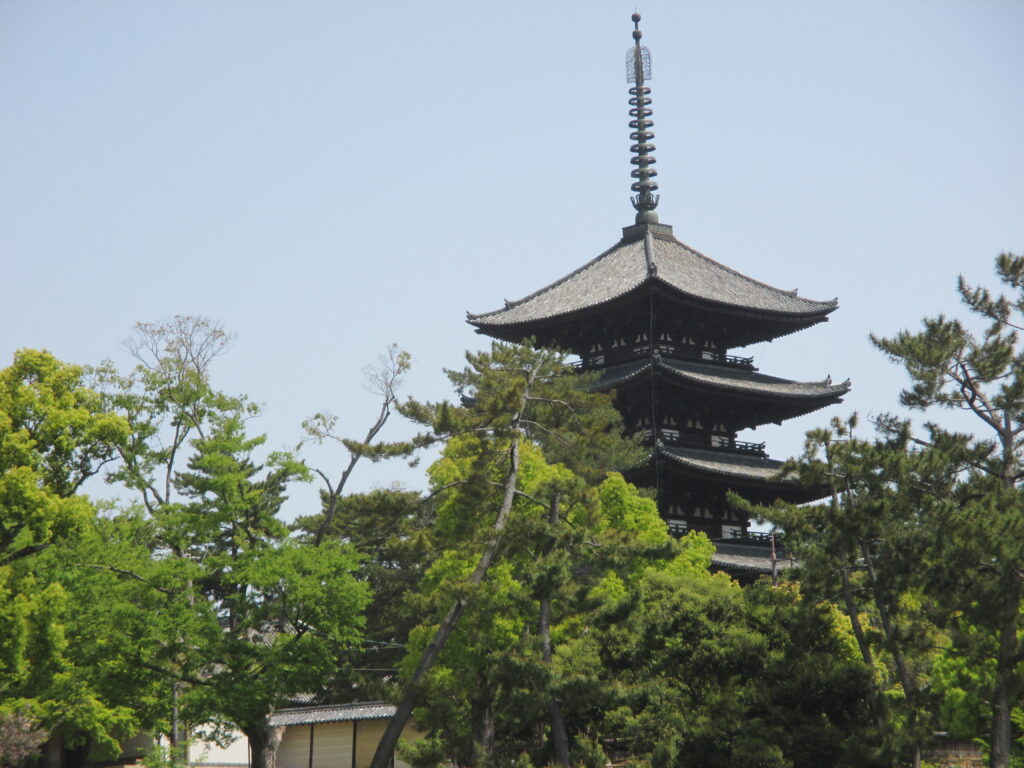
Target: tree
510,395
695,671
389,529
280,608
857,548
385,526
385,380
976,564
55,433
255,616
495,685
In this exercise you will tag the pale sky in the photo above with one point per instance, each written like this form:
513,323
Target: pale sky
327,178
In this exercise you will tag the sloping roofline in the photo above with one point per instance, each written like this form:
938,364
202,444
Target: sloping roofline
650,254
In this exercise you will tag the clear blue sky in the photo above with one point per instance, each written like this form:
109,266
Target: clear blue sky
326,178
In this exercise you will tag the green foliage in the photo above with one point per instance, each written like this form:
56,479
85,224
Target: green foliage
497,491
389,530
246,616
966,487
55,433
697,671
855,548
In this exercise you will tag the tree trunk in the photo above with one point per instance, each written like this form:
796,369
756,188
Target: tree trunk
851,605
484,731
854,614
909,686
558,735
1004,692
264,740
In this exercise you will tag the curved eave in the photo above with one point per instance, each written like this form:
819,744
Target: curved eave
714,379
668,267
780,324
765,399
752,477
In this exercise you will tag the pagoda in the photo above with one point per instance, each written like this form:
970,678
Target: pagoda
660,321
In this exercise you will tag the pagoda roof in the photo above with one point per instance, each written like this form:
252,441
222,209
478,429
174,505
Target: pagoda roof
740,380
649,254
728,465
741,559
756,476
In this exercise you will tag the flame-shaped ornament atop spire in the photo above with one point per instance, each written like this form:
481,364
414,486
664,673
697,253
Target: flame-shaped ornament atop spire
638,69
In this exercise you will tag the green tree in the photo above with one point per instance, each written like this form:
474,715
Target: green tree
389,528
966,488
695,671
857,549
497,683
55,433
511,396
280,608
252,616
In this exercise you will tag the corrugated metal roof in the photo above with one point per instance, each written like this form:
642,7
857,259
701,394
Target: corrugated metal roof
332,713
624,267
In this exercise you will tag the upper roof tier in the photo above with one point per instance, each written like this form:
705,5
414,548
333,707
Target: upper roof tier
649,257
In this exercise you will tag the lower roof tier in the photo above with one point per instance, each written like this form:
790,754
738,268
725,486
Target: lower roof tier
753,398
745,562
754,478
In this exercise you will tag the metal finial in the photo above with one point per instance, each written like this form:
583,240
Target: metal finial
638,70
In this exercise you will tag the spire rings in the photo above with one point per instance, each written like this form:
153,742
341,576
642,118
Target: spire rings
638,70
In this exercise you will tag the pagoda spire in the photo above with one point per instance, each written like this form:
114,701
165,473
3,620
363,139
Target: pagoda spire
638,70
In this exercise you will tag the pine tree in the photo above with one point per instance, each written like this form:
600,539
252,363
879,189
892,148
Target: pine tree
965,488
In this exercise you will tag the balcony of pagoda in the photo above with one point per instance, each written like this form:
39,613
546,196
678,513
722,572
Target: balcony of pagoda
723,443
642,351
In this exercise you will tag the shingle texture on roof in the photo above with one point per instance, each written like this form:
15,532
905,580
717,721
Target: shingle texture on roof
732,465
721,377
625,267
732,558
332,713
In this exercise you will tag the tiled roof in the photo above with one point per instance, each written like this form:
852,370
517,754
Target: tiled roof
732,465
663,260
721,377
732,558
332,713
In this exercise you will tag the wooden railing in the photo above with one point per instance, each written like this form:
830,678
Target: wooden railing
642,351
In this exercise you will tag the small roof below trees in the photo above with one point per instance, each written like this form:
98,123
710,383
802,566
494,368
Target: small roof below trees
332,713
745,562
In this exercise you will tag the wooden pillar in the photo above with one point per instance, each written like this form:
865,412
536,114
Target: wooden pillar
311,727
355,730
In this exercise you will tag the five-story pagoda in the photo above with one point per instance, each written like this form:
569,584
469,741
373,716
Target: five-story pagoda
659,320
